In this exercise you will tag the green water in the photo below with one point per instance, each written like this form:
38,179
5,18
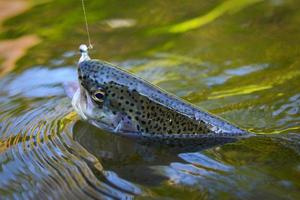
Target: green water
238,59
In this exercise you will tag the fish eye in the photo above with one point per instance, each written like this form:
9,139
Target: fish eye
98,96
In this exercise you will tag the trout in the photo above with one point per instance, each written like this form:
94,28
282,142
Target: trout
120,102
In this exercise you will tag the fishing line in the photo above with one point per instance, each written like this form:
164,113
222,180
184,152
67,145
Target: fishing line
86,25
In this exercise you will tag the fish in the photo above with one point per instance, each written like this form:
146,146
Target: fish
118,101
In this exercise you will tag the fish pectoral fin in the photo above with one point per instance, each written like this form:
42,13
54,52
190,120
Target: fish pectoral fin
118,127
125,125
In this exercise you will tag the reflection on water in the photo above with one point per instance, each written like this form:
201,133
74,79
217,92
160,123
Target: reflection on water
229,6
237,59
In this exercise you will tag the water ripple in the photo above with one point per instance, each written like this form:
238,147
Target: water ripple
38,157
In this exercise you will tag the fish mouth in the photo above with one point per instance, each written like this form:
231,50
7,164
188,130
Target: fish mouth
78,103
81,101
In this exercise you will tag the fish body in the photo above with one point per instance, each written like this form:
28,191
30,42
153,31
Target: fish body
116,100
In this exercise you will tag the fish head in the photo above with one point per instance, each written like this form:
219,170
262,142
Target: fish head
94,100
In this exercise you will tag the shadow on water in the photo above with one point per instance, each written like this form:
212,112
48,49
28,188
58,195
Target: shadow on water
131,158
241,169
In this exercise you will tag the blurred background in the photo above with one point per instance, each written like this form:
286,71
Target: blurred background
238,59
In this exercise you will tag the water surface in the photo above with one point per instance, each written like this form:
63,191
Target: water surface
238,59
